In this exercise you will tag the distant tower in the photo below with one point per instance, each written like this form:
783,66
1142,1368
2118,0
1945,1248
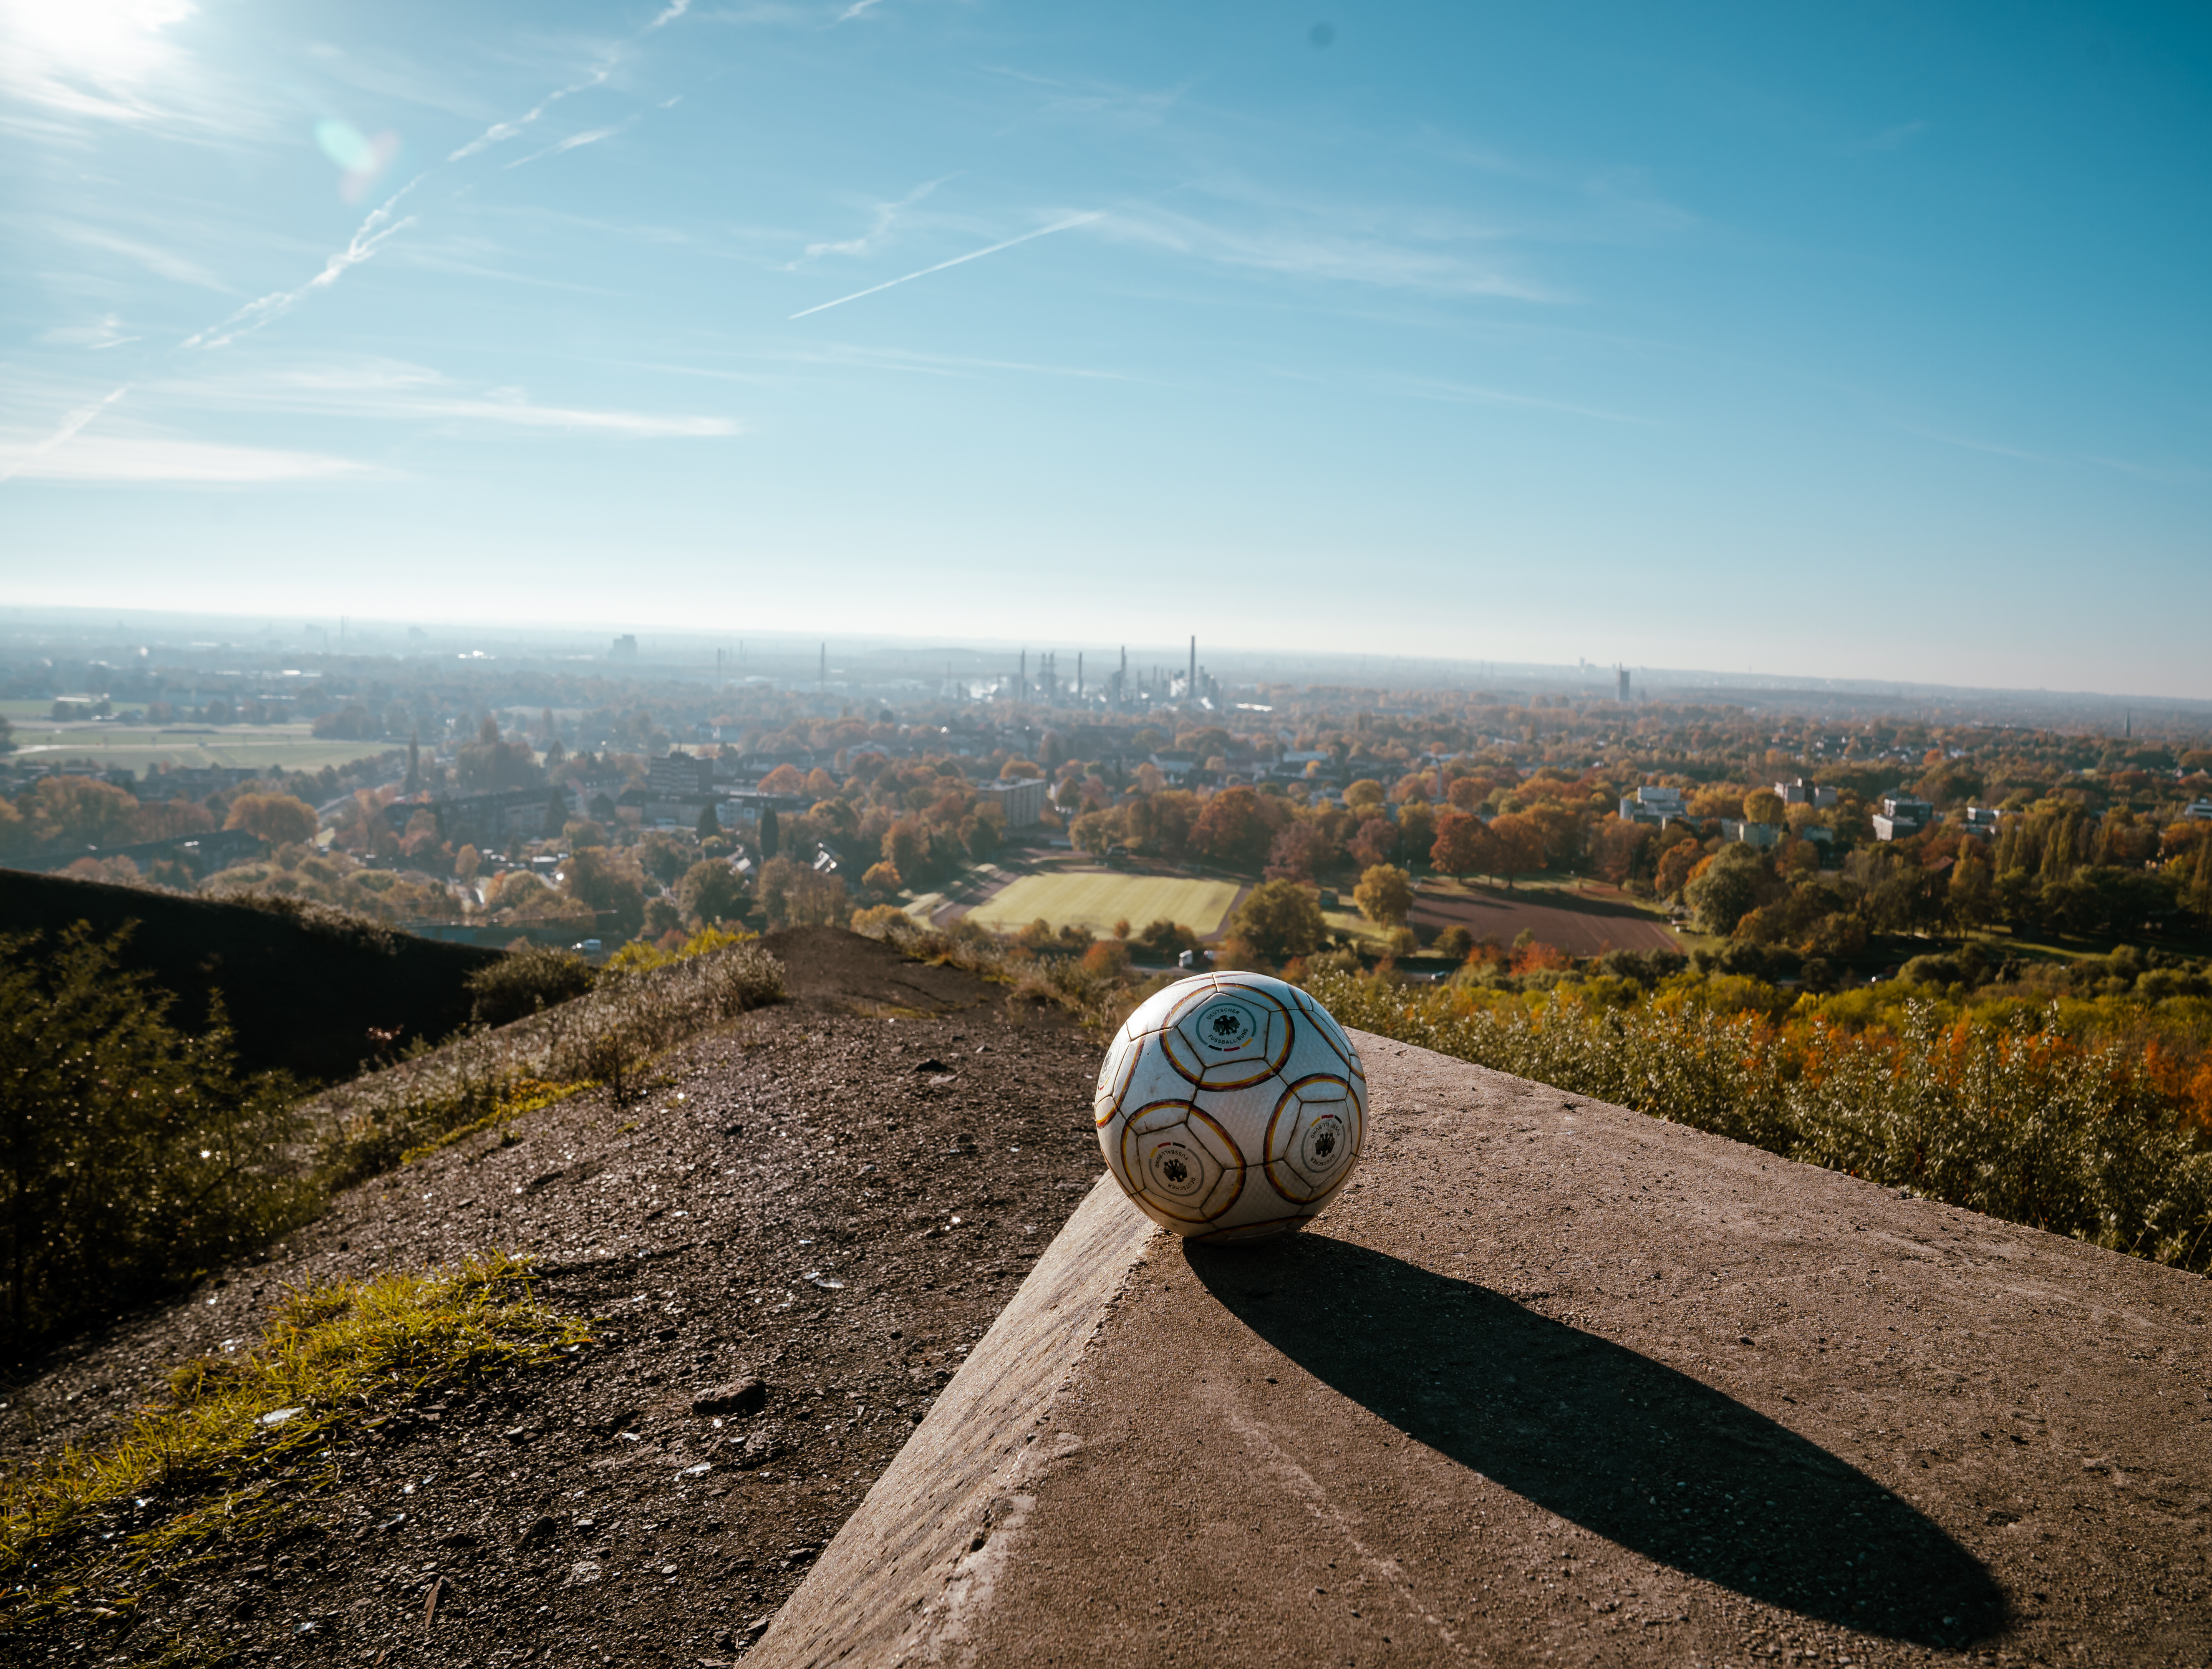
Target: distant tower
1620,677
1190,687
1078,675
822,675
1022,683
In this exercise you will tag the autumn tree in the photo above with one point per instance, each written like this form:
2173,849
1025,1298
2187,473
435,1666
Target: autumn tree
1763,806
1675,865
1236,828
279,819
1281,919
710,891
1462,846
74,810
1519,846
1384,896
608,884
1727,890
1376,841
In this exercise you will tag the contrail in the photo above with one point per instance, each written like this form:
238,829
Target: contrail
974,255
71,424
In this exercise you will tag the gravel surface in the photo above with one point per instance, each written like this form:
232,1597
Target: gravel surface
833,1197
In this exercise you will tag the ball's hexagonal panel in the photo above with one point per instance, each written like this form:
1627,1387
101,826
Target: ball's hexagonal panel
1234,1035
1313,1138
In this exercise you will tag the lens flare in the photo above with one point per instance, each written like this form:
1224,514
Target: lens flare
360,159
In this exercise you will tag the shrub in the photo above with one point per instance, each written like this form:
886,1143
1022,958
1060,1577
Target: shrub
132,1157
524,980
1164,941
2019,1121
870,920
604,1037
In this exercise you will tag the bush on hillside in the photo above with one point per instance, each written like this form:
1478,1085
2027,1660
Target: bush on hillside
2020,1120
132,1157
526,981
604,1037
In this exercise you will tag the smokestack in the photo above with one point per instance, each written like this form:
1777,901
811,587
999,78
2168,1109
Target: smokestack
1078,675
1190,687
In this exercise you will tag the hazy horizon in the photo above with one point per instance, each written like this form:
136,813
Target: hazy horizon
1870,345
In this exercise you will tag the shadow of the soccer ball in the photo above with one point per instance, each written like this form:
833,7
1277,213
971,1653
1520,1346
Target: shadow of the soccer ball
1626,1447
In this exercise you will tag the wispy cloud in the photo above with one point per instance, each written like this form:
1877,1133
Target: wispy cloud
957,260
366,241
1889,139
936,365
575,140
108,333
1438,257
34,458
499,132
157,459
1968,443
858,9
675,9
886,215
1423,388
161,263
395,391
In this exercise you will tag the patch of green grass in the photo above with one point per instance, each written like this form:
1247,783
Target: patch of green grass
87,1536
511,1101
1096,901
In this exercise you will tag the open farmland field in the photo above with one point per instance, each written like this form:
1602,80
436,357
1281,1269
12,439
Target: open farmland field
1581,924
136,747
1096,900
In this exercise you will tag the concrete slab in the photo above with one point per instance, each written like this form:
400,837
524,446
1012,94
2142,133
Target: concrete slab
1552,1383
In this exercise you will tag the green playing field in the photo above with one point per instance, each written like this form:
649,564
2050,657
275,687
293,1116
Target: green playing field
1097,901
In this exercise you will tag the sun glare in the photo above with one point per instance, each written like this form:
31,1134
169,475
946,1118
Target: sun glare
107,41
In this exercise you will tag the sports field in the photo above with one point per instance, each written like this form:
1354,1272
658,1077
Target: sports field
1098,900
136,747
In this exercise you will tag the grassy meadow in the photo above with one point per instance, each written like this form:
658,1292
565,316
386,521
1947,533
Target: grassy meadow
1096,901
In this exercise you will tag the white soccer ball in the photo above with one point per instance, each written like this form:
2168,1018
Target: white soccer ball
1231,1106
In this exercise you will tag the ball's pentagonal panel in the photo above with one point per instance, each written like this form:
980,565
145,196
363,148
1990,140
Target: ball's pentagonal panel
1187,1170
1324,1023
1313,1140
1114,1074
1151,1077
1234,1036
1230,1107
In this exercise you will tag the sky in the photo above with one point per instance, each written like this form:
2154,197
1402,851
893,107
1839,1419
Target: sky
1844,342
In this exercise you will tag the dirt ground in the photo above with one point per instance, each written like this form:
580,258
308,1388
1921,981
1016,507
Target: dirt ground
1582,924
837,1195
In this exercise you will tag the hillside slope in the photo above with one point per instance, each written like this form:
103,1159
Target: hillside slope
301,995
783,1204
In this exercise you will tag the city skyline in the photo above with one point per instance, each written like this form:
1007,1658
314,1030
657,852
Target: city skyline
1865,348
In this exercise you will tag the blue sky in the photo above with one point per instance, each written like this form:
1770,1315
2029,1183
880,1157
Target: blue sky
1848,342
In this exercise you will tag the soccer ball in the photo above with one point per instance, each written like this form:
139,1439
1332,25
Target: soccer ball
1231,1106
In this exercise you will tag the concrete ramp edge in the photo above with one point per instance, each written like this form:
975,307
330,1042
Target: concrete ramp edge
917,1559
